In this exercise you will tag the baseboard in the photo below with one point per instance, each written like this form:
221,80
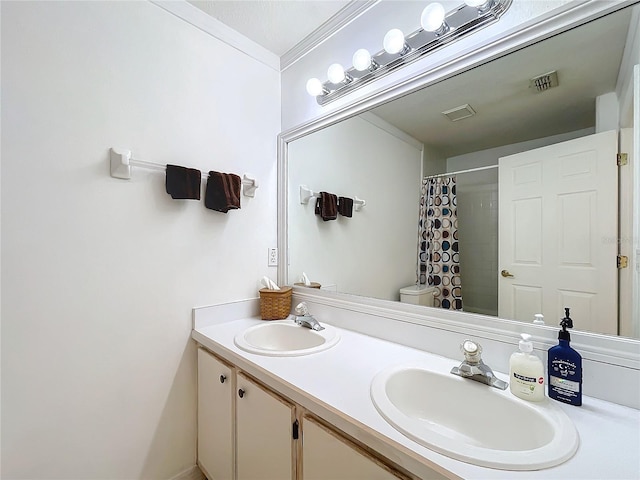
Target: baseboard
191,473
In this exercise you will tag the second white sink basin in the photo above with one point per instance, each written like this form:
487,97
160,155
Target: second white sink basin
472,422
284,338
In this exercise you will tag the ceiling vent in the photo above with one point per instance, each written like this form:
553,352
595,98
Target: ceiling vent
458,113
542,83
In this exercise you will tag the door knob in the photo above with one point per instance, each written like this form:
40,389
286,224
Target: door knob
506,274
222,378
241,393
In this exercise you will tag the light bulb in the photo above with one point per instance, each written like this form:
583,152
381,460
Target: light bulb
361,60
335,73
475,3
314,87
432,17
393,41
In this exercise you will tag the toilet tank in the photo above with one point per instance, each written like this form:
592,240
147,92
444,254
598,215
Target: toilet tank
418,295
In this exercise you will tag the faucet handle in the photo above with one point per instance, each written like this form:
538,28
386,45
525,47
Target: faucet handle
471,350
302,309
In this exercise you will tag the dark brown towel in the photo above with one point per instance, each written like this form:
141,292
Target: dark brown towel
223,191
345,206
183,183
327,206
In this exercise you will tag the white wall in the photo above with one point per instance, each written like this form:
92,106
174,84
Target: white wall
356,157
99,274
490,156
478,243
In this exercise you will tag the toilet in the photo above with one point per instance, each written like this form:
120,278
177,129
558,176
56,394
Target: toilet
418,295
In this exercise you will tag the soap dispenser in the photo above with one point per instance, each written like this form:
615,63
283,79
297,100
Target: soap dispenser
565,367
526,372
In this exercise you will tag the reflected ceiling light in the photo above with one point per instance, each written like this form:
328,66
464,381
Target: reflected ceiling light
432,19
481,5
438,29
362,60
394,42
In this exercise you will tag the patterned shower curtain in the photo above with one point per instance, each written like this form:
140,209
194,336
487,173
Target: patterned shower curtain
438,259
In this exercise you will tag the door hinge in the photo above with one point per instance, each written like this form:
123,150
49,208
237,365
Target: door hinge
296,427
623,261
622,159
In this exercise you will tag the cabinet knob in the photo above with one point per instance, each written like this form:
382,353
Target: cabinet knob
241,393
222,378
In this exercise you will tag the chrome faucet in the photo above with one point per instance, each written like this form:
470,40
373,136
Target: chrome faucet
474,368
303,318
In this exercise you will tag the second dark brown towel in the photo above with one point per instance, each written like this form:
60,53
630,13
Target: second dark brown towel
223,192
345,206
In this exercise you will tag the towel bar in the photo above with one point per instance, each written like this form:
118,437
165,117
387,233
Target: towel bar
121,163
306,194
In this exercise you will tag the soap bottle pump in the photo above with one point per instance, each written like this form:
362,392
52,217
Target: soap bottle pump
565,367
538,319
526,372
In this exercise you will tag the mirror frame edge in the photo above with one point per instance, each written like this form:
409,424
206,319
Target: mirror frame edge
594,346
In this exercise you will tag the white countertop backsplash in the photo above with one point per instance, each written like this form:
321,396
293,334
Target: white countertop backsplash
334,384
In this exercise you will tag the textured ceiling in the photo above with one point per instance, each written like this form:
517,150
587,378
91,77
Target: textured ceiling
587,59
276,25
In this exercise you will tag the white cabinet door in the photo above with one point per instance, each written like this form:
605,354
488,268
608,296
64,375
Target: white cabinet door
264,429
215,417
325,456
558,209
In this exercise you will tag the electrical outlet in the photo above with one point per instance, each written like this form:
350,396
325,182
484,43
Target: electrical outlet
272,259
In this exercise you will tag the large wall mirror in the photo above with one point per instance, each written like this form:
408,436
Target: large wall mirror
483,125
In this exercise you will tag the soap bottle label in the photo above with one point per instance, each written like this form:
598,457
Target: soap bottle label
525,385
564,386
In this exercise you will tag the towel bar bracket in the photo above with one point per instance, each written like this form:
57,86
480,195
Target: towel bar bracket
120,164
358,203
249,186
306,194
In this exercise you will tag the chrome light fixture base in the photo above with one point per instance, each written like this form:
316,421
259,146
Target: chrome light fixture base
459,22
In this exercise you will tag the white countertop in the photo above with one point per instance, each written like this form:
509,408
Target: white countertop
334,384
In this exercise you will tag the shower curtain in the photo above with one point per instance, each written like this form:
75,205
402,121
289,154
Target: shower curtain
438,259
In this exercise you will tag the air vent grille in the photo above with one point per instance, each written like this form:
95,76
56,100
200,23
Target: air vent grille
544,82
458,113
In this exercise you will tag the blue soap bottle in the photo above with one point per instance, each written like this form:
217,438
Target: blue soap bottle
565,367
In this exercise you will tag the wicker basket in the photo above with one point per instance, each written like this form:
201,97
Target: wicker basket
275,304
311,285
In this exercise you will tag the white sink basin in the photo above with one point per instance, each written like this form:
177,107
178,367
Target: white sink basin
472,422
284,338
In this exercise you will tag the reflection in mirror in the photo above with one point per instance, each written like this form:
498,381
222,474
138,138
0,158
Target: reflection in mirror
525,116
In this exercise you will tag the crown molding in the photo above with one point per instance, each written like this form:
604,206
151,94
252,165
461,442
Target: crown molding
376,121
345,16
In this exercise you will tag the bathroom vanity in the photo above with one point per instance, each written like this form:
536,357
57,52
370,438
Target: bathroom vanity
312,416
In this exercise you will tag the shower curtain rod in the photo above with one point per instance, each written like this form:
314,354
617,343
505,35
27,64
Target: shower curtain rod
451,174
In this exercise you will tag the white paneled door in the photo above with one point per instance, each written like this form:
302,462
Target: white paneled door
558,221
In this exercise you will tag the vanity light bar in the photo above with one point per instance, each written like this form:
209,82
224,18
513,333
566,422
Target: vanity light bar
437,29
